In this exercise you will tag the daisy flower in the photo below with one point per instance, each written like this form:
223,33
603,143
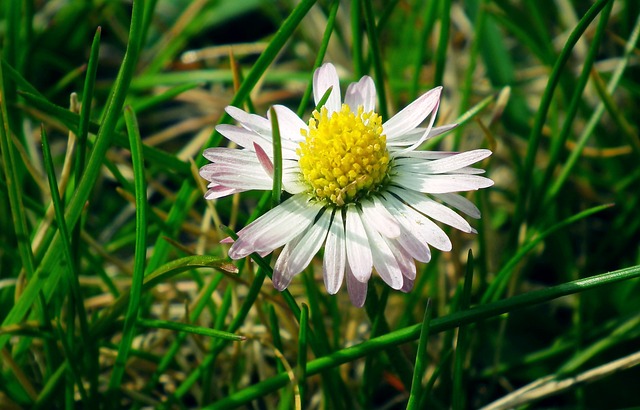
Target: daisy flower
358,186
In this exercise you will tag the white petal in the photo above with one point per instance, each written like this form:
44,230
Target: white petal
461,203
264,160
435,131
383,259
219,191
420,225
361,93
324,77
376,215
404,259
252,122
335,255
280,278
358,251
415,246
276,227
448,164
310,244
414,136
438,184
248,176
289,123
357,290
412,115
407,286
293,182
432,209
417,157
246,138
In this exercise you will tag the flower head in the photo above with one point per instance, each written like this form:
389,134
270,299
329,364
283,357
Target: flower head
358,186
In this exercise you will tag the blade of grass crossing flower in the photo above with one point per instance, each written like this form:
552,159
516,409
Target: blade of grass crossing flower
277,159
594,120
421,361
137,280
323,99
559,141
284,33
374,47
324,43
499,283
541,115
103,140
301,368
440,324
185,196
458,399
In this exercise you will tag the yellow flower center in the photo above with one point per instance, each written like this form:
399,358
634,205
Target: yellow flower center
344,156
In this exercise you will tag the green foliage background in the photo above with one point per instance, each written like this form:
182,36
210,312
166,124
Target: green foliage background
115,291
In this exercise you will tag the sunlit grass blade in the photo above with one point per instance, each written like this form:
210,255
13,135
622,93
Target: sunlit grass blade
501,279
395,338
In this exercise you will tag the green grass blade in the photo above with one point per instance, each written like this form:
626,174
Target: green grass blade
443,41
331,21
440,324
188,328
499,283
276,191
137,280
78,201
559,141
543,110
301,368
421,361
458,400
376,56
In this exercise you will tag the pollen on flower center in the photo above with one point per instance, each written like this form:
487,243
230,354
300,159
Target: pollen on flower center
344,156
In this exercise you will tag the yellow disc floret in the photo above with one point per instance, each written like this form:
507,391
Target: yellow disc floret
344,156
